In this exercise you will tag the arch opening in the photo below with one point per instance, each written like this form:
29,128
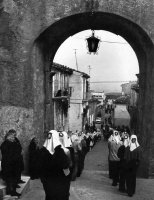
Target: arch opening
47,44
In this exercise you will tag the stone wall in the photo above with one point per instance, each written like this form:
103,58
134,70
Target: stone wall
20,119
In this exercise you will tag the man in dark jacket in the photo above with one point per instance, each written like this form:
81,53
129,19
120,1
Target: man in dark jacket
21,162
34,163
10,162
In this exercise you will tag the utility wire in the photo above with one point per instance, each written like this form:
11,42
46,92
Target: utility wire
106,41
103,82
111,81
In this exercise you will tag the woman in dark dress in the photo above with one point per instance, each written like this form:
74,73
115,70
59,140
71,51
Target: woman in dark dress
54,169
122,166
132,157
10,162
33,158
67,143
83,151
77,149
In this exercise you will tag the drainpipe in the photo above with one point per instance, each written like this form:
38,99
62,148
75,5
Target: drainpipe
52,73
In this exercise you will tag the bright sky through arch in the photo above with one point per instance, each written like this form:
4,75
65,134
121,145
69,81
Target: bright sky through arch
115,61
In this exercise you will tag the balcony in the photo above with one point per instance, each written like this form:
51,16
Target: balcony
61,94
62,99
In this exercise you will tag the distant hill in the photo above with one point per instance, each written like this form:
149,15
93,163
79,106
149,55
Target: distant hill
122,100
106,87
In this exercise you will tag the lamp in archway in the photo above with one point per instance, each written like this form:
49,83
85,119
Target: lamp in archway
93,43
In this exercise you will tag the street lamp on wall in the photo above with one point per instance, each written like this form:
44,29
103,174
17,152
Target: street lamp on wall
93,43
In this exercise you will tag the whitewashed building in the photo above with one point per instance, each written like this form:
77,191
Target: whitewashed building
98,95
70,98
79,108
61,93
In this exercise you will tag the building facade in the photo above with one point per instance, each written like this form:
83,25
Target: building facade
61,93
93,110
133,106
99,95
70,98
126,88
98,106
78,109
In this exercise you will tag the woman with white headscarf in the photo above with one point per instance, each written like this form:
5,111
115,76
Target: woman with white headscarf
77,148
114,142
68,148
81,153
54,170
133,157
122,164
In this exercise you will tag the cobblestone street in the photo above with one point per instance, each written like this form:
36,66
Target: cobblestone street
94,182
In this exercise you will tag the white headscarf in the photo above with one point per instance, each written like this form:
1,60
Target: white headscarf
74,138
126,140
65,139
65,142
76,141
133,146
116,138
53,142
80,136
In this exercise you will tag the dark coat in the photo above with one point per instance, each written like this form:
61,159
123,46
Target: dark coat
133,158
34,163
55,183
121,155
21,156
11,159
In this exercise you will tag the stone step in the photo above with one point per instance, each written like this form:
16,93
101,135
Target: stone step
24,187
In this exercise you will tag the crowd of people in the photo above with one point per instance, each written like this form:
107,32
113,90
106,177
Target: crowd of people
58,162
124,159
61,160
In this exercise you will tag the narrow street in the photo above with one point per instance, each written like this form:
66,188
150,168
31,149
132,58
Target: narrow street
94,182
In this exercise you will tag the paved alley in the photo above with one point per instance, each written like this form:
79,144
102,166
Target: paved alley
94,183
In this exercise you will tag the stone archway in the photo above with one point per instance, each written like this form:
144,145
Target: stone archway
24,60
50,40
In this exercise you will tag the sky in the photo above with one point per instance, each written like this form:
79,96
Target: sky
116,62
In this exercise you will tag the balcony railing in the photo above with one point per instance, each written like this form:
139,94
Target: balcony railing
62,93
63,98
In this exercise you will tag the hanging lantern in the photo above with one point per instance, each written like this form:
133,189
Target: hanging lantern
93,43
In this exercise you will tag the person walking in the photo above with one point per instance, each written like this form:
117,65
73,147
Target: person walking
122,166
114,142
33,151
10,162
133,158
54,168
77,149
